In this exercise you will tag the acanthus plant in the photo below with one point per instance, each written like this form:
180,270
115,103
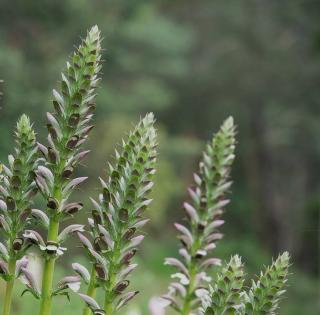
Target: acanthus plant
196,291
115,227
208,199
68,128
17,188
117,219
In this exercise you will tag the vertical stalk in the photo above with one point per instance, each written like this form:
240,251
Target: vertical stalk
108,305
47,280
91,290
108,300
186,308
9,288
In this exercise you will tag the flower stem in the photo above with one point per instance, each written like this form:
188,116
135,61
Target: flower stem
186,307
9,288
91,290
47,281
113,270
108,302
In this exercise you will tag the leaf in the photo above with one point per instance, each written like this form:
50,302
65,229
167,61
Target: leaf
69,230
4,252
41,216
91,303
177,263
73,184
34,237
125,272
82,272
71,282
3,206
126,298
58,97
211,262
191,212
85,241
98,258
20,264
46,173
106,236
3,268
185,232
29,280
135,241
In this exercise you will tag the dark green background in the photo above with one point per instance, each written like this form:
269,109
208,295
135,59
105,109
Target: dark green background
192,63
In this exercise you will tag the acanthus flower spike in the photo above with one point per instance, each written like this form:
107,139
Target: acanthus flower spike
16,196
68,128
117,217
198,238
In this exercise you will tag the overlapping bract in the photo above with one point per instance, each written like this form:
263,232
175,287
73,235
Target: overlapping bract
265,293
117,217
17,189
226,297
229,296
204,215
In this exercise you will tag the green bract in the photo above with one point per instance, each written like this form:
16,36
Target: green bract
226,295
265,293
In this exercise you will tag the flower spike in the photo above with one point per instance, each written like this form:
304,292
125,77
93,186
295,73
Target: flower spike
204,217
226,295
265,294
17,189
68,127
117,217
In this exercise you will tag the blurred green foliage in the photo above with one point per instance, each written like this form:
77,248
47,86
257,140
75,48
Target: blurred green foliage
192,63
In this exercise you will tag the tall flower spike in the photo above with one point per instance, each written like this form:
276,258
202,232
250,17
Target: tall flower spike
203,212
226,295
117,218
17,189
68,128
265,294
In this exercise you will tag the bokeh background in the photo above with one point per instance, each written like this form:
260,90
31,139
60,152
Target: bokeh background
192,63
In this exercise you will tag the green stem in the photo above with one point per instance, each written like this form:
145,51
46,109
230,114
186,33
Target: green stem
9,288
108,305
47,281
91,290
113,271
186,307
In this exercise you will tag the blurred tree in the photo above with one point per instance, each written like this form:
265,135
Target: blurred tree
193,63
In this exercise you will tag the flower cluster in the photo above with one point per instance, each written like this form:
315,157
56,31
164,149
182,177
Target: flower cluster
226,295
68,129
265,293
204,215
117,219
195,292
17,189
229,296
